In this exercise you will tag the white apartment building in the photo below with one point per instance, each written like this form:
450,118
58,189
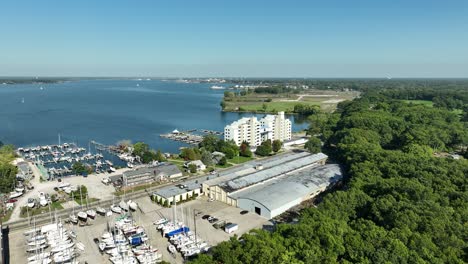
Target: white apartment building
255,131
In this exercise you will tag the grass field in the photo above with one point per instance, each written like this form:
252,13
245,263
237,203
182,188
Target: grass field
7,216
227,165
40,210
90,200
274,106
239,159
253,102
423,102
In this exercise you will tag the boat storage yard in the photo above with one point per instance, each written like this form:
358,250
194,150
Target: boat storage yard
212,208
140,228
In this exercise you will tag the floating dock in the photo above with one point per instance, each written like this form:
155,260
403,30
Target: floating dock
188,136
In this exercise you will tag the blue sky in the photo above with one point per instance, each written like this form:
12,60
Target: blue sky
412,38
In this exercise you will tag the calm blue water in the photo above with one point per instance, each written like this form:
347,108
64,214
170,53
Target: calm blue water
108,111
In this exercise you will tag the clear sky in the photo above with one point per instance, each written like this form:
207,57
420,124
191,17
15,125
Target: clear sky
348,38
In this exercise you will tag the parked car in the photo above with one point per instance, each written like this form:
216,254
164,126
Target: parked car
205,217
12,200
214,220
244,212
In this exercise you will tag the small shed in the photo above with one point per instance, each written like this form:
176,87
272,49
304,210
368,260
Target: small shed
230,228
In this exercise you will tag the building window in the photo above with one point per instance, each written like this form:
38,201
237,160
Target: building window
258,210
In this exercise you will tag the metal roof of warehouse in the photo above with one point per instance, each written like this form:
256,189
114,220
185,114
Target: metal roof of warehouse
266,174
249,167
282,190
231,173
167,168
173,190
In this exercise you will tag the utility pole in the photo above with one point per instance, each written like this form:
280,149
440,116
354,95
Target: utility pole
195,225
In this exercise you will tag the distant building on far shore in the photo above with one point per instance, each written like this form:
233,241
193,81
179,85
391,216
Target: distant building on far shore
255,131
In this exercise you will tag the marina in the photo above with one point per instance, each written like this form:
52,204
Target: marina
56,161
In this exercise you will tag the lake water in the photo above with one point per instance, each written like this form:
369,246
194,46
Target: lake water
110,110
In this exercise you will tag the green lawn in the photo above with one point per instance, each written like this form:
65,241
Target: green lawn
7,216
274,106
227,165
90,200
239,159
423,102
40,210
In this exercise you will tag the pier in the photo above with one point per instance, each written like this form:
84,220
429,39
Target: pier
188,136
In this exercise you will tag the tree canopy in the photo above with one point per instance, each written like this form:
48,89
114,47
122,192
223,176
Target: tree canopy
7,170
400,203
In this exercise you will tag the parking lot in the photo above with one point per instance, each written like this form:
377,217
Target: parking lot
148,213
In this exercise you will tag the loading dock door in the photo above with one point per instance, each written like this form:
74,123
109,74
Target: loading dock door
258,211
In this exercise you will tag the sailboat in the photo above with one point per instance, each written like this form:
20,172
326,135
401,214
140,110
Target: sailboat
82,215
114,208
101,211
91,213
73,217
132,205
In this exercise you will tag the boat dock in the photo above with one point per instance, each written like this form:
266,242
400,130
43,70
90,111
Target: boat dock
188,136
183,136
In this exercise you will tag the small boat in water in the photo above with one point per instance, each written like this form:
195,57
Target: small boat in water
112,169
130,165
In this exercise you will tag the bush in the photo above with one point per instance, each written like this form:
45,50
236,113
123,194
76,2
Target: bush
222,161
192,168
277,144
314,145
264,149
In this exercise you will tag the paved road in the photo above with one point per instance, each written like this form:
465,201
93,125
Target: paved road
93,182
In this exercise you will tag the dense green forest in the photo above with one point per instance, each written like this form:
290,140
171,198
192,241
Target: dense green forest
401,203
7,170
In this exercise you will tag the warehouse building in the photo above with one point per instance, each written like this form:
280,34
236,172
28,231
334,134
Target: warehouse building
267,187
280,194
150,174
186,189
179,192
220,188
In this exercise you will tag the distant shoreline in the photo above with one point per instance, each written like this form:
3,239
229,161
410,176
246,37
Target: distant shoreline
11,81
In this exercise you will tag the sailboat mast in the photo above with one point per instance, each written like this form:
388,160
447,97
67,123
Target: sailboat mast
81,199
